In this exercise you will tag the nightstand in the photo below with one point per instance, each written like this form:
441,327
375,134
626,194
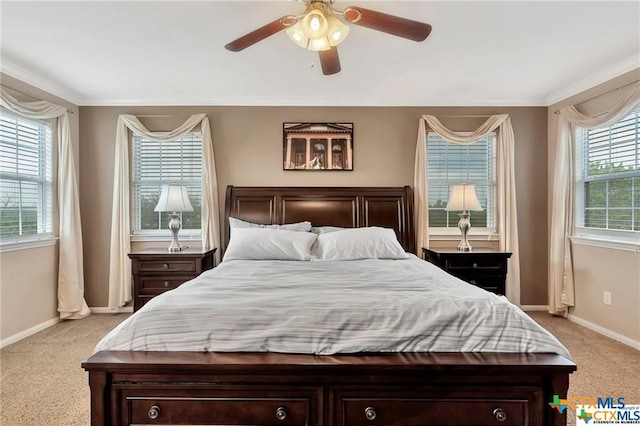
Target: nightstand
484,268
157,270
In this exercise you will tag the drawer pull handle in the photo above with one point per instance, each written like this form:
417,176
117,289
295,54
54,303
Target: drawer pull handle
154,412
166,283
281,413
165,266
475,265
370,413
500,415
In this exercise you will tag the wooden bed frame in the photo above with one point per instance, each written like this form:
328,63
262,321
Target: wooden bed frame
264,389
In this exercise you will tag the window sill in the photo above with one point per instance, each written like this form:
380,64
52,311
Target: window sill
458,236
626,245
16,245
163,238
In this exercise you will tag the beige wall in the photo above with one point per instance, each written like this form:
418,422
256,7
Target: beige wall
599,269
28,278
248,151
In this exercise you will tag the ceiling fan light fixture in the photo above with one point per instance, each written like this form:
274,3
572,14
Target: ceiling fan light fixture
321,28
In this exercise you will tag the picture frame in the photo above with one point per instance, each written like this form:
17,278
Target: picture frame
317,146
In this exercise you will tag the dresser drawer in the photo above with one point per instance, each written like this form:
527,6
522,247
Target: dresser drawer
166,266
219,411
182,404
433,412
163,283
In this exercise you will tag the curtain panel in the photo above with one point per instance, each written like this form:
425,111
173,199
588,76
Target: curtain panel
505,187
561,279
71,302
120,291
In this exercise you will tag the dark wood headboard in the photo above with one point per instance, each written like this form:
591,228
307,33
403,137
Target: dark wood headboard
348,207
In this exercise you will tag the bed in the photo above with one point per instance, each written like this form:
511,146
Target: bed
304,379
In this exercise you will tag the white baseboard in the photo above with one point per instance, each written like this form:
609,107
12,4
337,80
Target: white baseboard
26,333
33,330
605,332
534,307
106,310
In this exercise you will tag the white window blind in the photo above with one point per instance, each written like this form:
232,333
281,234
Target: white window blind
608,176
449,164
157,163
25,177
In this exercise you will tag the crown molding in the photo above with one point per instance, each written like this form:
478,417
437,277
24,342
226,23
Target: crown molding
38,82
629,64
313,101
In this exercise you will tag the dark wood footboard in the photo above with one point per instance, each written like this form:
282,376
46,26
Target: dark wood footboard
404,389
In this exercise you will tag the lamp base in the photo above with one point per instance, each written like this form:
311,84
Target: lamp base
174,226
173,248
464,225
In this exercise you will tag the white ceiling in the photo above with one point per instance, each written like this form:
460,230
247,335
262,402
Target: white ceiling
505,53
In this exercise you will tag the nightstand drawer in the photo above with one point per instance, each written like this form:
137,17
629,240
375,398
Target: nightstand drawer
492,283
167,266
489,264
163,283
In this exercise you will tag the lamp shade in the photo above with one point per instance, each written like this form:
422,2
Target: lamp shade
174,198
298,36
337,31
463,198
318,44
315,24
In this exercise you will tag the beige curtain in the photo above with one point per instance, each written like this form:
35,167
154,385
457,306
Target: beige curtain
505,187
561,281
120,265
71,302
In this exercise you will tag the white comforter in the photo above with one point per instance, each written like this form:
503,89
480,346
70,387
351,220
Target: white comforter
330,307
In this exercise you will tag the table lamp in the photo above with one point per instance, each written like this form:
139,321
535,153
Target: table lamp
174,199
463,198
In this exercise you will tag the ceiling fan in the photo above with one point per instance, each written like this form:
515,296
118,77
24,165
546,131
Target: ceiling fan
322,27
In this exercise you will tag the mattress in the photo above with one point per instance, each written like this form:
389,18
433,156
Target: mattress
330,307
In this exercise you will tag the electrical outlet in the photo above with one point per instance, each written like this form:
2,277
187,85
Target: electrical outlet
607,298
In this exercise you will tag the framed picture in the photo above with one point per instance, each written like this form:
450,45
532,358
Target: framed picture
317,146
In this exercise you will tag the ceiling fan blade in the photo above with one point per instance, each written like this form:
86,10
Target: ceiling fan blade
261,33
330,61
390,24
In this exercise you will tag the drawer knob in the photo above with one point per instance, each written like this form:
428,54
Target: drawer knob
472,282
370,413
475,265
500,415
166,283
281,413
154,412
166,266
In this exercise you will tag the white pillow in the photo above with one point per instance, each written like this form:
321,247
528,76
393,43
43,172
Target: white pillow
298,226
269,244
324,229
360,243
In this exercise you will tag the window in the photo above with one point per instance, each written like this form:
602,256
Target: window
608,178
158,163
449,164
25,178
